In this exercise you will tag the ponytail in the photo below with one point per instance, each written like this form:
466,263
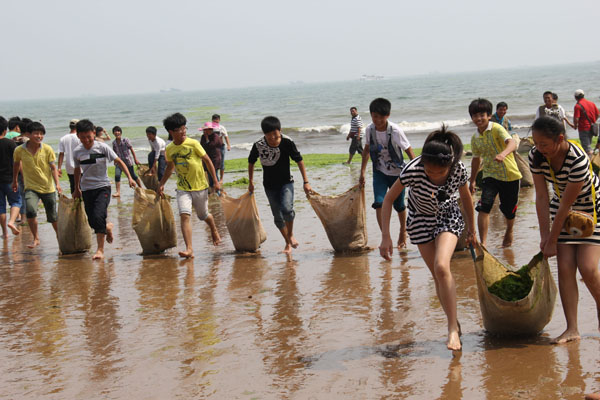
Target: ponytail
443,148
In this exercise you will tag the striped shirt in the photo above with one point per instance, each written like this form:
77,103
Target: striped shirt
123,150
576,168
355,125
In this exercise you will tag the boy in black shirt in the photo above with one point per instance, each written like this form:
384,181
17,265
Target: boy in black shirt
275,151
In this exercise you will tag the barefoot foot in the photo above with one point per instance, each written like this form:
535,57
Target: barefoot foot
293,242
288,249
34,244
14,229
453,342
116,195
508,239
186,254
109,232
592,396
99,255
567,336
216,238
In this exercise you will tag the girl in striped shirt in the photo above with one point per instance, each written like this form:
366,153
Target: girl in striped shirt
566,167
434,219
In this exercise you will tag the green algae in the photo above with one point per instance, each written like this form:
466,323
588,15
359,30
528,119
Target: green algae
513,287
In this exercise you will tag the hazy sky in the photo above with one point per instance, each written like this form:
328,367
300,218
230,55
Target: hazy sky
71,48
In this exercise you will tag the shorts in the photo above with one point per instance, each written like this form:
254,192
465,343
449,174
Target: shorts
281,201
586,140
131,172
32,200
356,146
7,194
197,199
381,184
509,196
96,202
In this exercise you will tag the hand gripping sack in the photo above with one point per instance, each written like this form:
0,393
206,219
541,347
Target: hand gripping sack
343,217
527,179
73,231
150,181
243,222
527,316
153,221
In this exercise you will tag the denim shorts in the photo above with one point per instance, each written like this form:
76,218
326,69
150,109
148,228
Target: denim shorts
381,184
118,173
7,194
281,201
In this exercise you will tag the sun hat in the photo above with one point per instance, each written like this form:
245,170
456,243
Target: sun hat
74,121
207,125
579,92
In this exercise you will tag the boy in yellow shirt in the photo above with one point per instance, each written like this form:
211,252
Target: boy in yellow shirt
492,144
39,171
187,157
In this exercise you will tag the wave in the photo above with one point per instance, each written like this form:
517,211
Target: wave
242,146
429,126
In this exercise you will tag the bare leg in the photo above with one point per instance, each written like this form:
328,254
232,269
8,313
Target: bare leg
33,227
437,255
483,222
216,238
350,159
118,189
592,396
378,215
109,232
569,293
12,225
587,262
186,230
508,235
289,225
139,182
288,245
402,236
100,252
221,174
3,224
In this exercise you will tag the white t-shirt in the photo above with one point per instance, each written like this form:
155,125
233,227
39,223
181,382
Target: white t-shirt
158,146
222,131
384,162
94,164
67,144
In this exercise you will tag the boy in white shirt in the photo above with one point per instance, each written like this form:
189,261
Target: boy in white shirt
156,158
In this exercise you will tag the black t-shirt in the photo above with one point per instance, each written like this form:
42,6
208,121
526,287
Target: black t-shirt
275,161
7,148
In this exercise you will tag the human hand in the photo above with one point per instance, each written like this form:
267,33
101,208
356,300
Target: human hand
132,183
228,148
361,181
499,157
386,247
251,187
217,185
77,193
307,188
15,186
59,173
549,249
471,238
160,191
472,187
59,189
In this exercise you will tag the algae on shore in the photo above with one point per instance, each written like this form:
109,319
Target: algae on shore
513,287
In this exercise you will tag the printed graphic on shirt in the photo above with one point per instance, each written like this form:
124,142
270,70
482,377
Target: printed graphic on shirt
91,159
181,159
268,155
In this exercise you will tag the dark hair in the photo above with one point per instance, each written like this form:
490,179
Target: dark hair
554,96
353,108
24,125
442,147
85,125
547,92
151,130
270,124
72,125
99,130
501,104
115,128
3,124
380,106
36,127
13,122
480,105
216,116
550,128
174,121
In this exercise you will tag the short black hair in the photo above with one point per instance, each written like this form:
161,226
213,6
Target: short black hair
353,108
36,127
270,124
547,92
99,130
3,124
174,121
72,125
554,96
216,116
115,128
13,122
85,125
501,104
381,106
151,130
24,125
480,105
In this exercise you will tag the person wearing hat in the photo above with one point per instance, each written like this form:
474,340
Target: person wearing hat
65,152
585,114
211,142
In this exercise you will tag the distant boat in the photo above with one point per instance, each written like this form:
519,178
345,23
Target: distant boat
171,90
365,77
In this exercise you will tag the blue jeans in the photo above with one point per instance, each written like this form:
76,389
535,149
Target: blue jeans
282,204
161,163
131,172
7,194
586,140
381,184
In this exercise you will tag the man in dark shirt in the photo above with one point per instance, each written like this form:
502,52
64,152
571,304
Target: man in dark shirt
7,148
211,142
275,151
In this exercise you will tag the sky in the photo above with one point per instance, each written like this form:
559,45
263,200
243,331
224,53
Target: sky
65,48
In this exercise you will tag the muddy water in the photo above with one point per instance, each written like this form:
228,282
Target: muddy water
227,326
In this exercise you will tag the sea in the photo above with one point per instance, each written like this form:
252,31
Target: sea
316,115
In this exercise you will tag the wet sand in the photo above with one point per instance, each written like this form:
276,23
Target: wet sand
316,325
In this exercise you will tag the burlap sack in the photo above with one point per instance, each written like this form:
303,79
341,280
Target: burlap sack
243,222
343,217
153,221
74,232
527,316
527,179
150,181
525,145
596,162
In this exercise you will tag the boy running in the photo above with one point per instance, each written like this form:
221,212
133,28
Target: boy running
124,150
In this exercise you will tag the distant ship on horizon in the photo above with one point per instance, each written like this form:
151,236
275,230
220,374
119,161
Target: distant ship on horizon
365,77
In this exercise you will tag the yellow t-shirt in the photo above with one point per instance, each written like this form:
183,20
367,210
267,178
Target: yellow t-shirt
490,143
188,164
37,173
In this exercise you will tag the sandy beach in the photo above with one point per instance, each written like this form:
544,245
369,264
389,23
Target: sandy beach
316,325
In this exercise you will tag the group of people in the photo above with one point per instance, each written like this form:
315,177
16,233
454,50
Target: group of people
429,213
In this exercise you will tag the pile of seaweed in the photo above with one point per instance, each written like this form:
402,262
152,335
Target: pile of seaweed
513,287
